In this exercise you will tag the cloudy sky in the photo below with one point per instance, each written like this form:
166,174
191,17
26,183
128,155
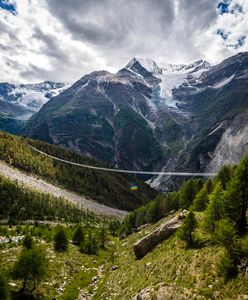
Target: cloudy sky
61,40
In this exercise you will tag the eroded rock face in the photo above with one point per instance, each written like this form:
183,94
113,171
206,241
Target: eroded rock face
233,144
146,244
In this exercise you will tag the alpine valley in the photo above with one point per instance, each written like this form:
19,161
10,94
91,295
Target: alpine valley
147,116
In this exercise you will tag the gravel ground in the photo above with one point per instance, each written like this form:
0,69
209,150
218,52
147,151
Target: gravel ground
45,187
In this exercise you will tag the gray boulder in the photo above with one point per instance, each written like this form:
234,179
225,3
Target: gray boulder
146,244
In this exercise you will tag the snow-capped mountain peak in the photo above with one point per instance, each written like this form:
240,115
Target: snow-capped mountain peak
170,76
158,69
146,63
185,68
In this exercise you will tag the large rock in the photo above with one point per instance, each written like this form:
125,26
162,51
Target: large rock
146,244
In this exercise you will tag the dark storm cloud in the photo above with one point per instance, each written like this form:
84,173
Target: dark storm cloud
113,22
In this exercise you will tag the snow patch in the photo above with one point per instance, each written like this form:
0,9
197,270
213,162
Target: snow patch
222,83
169,82
34,96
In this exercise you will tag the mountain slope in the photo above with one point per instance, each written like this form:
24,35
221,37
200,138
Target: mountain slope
109,114
168,272
31,182
27,202
110,189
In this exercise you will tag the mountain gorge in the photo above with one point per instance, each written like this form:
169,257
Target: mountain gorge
151,116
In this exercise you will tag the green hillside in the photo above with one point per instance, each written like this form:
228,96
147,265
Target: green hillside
110,189
170,271
19,203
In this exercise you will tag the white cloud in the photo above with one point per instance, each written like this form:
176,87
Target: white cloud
62,40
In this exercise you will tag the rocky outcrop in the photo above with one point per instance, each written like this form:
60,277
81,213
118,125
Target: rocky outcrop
146,244
233,144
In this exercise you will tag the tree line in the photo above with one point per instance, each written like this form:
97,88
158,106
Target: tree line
18,203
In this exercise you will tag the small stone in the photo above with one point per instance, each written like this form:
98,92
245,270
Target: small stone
114,268
12,284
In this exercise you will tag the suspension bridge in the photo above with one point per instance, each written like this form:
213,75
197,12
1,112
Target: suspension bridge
184,174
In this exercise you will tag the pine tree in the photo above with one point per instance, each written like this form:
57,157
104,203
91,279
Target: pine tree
28,241
60,241
78,236
187,194
201,199
215,209
114,226
237,196
152,212
209,185
225,175
90,245
187,229
102,237
225,234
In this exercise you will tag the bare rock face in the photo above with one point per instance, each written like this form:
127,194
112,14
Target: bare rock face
233,144
146,244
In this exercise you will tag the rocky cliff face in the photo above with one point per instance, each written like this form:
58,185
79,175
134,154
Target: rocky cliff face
232,145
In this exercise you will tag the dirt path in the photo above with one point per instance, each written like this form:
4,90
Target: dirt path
45,187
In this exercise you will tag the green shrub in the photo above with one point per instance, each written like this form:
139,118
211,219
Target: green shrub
225,235
31,268
90,245
60,240
78,236
187,229
4,288
28,241
227,267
